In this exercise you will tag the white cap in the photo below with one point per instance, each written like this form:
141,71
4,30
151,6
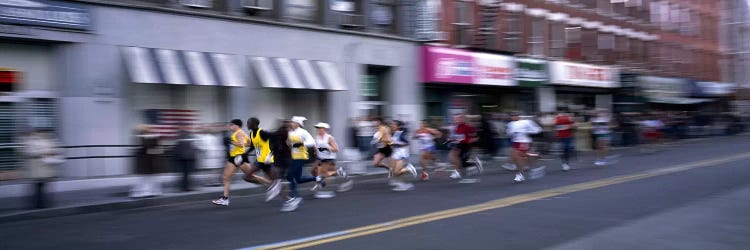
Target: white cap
299,120
322,125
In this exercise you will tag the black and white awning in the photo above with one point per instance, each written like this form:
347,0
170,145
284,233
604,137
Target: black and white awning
297,74
147,65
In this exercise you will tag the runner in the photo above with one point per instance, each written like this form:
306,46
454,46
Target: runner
300,140
237,159
602,126
282,153
519,130
382,141
564,126
401,156
259,143
326,149
463,136
426,137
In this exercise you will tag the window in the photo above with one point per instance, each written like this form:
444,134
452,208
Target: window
301,10
591,4
589,45
512,33
382,16
536,36
622,48
557,40
573,45
9,155
604,7
428,20
258,8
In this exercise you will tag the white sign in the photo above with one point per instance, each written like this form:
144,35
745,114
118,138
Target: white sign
494,69
585,75
343,6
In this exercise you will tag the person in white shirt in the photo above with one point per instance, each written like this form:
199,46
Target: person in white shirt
519,131
325,166
602,130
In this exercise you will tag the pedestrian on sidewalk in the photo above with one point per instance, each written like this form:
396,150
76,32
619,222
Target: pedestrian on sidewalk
185,155
146,156
44,154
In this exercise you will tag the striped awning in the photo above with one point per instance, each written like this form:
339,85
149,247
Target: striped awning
297,74
147,65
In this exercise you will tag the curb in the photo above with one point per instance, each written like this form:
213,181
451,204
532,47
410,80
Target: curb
138,203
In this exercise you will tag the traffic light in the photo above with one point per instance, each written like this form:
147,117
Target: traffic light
8,79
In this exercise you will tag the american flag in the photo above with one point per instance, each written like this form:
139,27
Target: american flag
166,122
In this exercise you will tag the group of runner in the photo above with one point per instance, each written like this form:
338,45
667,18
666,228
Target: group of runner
283,153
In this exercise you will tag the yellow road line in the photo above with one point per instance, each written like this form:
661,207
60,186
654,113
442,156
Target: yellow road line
505,202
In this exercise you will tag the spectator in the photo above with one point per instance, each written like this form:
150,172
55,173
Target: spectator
185,154
147,154
44,153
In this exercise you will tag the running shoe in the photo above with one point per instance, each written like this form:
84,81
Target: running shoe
324,194
291,205
455,175
478,164
403,187
600,163
425,176
537,173
519,178
316,187
392,182
274,190
340,171
509,166
565,167
346,186
223,201
412,170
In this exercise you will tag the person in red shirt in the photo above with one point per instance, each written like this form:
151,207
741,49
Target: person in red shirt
464,136
564,126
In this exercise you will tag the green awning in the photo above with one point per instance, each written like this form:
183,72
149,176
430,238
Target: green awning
531,72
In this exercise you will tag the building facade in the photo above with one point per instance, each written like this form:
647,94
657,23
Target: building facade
591,45
93,70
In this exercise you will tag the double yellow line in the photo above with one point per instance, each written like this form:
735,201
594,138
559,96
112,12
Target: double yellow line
495,204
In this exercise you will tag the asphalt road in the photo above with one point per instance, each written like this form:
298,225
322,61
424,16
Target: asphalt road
689,196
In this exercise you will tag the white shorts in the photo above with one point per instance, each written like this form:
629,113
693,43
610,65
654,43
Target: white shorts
400,153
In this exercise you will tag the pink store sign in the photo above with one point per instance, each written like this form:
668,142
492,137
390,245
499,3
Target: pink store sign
446,65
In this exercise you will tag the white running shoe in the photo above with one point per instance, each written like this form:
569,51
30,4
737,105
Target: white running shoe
274,190
509,166
291,205
340,171
565,167
346,186
519,178
537,173
600,163
324,194
455,175
478,164
315,188
412,170
403,187
222,201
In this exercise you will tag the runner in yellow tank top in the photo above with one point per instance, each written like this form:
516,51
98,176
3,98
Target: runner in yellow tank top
237,159
260,145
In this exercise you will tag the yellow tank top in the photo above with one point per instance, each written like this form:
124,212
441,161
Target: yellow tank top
234,150
262,147
298,153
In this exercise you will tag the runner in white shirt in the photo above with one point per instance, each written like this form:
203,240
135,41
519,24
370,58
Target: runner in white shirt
325,166
426,137
602,130
519,131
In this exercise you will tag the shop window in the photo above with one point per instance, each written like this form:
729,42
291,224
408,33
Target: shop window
536,37
557,40
512,33
383,16
305,11
9,79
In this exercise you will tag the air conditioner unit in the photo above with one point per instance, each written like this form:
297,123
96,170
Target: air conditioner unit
257,4
202,4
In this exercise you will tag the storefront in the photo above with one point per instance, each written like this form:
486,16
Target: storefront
669,94
460,81
33,38
582,86
720,95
